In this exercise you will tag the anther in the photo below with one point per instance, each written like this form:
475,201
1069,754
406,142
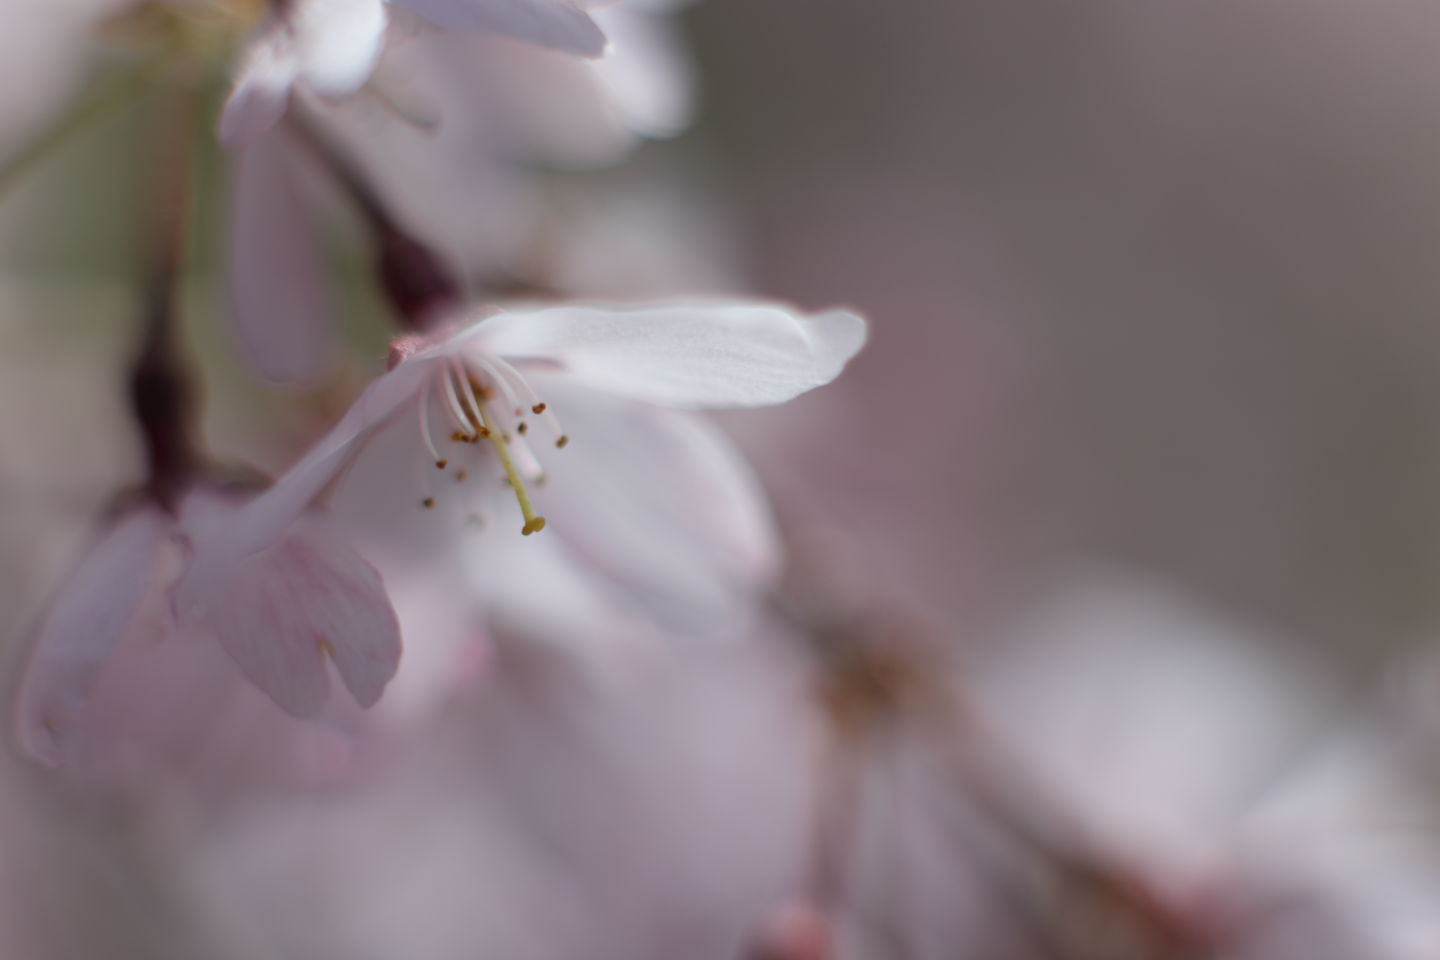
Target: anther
458,437
428,503
533,525
561,441
538,409
460,476
522,428
441,464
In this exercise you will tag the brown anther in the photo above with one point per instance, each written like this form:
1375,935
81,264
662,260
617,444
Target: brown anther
533,526
458,437
522,428
538,409
441,464
561,442
428,503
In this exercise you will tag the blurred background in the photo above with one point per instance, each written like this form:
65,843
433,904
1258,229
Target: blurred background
1112,599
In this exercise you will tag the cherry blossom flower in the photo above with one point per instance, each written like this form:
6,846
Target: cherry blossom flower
114,670
661,503
331,47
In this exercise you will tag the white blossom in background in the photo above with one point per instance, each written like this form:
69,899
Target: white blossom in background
449,135
330,47
1184,745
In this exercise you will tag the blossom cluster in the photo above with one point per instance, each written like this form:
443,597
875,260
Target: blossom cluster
265,571
508,647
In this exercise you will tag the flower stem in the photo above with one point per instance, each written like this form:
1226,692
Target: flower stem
162,390
415,281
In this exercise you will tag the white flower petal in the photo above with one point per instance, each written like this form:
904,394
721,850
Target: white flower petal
661,504
91,614
684,355
547,23
279,309
337,42
649,77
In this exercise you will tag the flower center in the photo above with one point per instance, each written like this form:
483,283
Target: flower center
485,398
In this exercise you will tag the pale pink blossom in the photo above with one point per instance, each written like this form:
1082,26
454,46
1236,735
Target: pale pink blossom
116,677
655,498
330,47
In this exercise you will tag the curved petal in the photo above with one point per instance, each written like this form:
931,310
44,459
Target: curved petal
262,90
222,541
90,616
287,608
337,42
649,79
548,23
661,504
280,313
691,356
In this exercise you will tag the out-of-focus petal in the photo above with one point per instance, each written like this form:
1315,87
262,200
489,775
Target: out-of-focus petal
90,615
649,79
284,610
337,42
684,355
352,608
547,23
661,504
262,90
222,542
278,296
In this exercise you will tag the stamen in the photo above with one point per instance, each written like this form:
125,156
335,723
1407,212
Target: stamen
522,428
522,386
440,461
428,503
561,442
510,384
452,397
533,521
470,395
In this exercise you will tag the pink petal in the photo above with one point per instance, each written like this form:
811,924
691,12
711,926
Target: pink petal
262,90
686,355
286,609
223,541
89,617
547,23
279,308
